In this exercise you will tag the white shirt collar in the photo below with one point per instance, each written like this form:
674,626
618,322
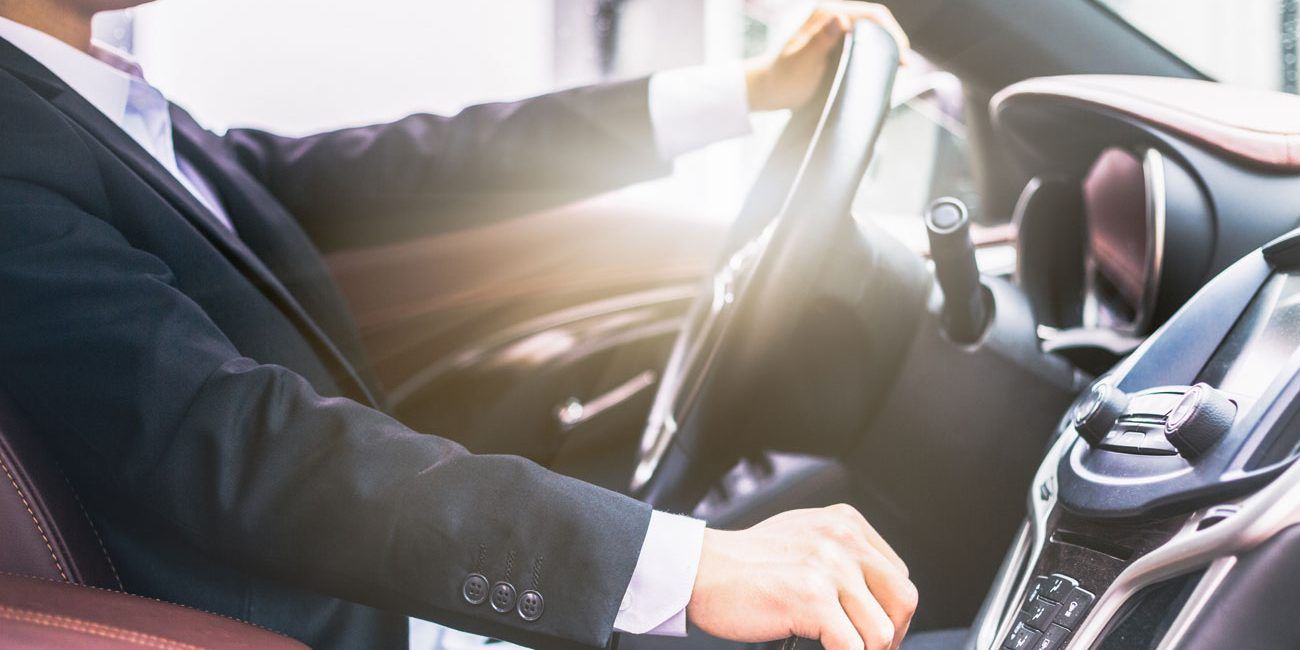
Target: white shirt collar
112,82
104,79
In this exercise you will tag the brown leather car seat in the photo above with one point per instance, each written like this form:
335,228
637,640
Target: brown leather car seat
58,587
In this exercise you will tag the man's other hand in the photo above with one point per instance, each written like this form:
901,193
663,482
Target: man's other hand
789,79
821,574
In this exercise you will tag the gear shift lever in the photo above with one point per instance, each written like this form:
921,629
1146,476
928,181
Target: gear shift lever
964,312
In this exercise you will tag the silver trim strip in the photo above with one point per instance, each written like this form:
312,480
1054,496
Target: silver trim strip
1010,586
1264,514
1197,602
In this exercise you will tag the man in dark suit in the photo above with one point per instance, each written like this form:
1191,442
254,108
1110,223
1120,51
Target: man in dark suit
166,320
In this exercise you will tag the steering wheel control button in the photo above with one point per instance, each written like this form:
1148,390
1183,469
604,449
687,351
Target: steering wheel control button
475,589
530,605
1200,420
503,596
1096,413
1022,637
1074,608
1040,613
1052,639
1058,587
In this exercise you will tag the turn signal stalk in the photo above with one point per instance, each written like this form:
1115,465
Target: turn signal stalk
965,313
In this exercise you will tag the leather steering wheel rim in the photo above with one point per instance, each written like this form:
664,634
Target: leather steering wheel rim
771,261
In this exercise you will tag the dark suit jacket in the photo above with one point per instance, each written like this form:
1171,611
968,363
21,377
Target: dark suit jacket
206,392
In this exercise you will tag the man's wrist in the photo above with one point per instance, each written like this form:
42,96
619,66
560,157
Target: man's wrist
664,577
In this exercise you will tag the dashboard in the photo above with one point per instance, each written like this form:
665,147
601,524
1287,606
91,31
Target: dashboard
1166,513
1122,218
1130,537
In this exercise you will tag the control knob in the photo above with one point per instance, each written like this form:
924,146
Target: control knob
1199,420
1097,412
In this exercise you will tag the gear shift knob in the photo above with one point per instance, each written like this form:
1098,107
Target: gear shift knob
964,312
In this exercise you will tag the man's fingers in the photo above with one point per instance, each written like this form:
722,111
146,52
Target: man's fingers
893,593
878,14
838,632
874,626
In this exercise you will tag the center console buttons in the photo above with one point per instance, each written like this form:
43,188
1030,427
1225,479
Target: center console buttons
1058,587
1022,637
1041,612
1073,608
1052,639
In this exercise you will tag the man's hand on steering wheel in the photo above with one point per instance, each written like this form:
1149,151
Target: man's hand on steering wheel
791,77
818,574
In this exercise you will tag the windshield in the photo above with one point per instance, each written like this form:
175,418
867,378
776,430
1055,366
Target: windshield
1244,42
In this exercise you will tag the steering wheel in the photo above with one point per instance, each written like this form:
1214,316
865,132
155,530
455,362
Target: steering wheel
770,265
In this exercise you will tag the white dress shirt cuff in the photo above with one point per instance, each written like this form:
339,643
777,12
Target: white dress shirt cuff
661,585
698,106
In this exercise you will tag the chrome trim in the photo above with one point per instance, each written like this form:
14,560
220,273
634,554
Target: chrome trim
1153,168
986,626
574,411
1009,588
1196,603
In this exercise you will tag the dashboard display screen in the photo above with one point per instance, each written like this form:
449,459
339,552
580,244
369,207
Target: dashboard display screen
1115,207
1261,342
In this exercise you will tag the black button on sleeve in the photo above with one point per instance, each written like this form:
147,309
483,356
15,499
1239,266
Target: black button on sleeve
475,589
503,596
531,605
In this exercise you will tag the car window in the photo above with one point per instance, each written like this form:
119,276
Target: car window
373,62
1244,42
922,153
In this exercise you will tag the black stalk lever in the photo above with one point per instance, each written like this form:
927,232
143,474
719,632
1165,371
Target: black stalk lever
965,313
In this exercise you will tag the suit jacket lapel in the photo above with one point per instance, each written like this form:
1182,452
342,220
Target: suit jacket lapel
161,181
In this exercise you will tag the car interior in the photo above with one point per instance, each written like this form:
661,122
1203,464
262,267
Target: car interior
1090,447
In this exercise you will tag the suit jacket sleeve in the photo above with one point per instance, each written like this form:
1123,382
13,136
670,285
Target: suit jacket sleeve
522,155
126,374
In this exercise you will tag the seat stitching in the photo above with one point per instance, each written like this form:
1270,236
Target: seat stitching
94,530
154,600
92,628
39,529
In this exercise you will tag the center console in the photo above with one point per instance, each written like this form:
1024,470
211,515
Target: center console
1163,476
